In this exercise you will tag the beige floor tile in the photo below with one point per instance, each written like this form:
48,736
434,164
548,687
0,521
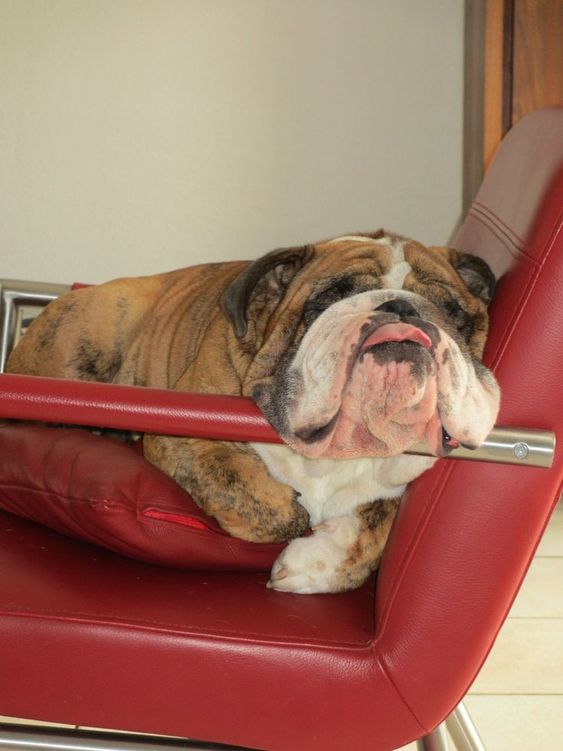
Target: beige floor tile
552,541
128,732
527,658
541,595
20,721
518,723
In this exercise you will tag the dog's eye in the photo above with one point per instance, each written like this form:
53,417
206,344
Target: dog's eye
317,305
460,318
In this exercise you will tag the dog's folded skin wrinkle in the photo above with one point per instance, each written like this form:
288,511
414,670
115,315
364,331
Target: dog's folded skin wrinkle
310,435
355,348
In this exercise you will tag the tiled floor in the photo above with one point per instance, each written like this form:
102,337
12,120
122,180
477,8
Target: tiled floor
517,700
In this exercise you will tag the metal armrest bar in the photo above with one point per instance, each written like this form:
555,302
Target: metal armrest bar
527,446
14,293
211,416
35,738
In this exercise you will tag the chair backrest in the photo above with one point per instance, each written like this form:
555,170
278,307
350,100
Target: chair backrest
466,532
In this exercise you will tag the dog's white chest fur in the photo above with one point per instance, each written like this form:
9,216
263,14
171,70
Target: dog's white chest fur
336,487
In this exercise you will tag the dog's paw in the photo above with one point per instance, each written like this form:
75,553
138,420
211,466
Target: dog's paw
314,564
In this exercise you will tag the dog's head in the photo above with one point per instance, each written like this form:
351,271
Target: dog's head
367,344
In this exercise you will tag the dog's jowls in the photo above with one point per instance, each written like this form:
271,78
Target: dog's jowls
355,349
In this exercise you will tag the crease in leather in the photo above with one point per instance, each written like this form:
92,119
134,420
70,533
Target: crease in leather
405,703
138,624
107,503
442,476
95,536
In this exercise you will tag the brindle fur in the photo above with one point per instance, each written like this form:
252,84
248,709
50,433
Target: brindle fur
229,328
232,484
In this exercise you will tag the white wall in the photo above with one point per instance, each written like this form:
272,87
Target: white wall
143,135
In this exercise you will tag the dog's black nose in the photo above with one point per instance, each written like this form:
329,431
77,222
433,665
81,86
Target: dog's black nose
401,308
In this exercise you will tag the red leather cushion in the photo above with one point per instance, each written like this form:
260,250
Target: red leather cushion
102,491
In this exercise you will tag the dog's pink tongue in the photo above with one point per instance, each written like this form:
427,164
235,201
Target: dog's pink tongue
397,332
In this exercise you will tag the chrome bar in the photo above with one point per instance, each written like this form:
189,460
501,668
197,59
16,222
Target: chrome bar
462,730
437,740
524,446
14,293
35,738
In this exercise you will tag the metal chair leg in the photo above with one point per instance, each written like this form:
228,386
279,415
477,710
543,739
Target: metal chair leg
437,740
462,730
37,738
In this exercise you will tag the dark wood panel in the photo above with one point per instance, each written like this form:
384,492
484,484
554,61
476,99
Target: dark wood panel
473,102
538,56
493,100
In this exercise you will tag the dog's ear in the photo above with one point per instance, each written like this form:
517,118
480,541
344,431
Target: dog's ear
274,271
476,274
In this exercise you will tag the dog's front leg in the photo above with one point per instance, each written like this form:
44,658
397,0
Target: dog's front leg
340,554
231,483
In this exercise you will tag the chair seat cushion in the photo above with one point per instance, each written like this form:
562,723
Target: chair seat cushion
102,491
212,656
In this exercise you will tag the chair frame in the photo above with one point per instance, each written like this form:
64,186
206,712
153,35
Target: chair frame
458,727
14,295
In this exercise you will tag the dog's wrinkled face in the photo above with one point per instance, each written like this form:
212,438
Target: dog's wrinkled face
368,344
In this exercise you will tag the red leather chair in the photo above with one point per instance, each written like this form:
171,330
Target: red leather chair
90,638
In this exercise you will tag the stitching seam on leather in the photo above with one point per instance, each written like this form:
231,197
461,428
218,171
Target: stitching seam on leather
396,583
512,236
550,244
443,479
512,251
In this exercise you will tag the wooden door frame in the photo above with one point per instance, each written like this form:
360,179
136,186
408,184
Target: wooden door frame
473,99
498,79
487,100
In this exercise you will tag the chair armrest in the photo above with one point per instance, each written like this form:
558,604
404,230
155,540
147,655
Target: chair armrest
212,416
134,408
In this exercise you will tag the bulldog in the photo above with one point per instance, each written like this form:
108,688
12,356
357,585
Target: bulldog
355,348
